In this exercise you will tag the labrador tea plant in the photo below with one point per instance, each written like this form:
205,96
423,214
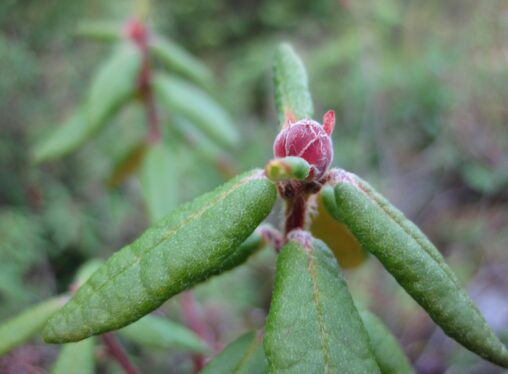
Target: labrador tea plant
313,325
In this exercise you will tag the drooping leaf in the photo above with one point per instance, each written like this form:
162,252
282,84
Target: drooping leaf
178,252
159,181
76,358
101,31
161,333
416,264
128,164
182,62
292,94
313,325
188,100
24,326
389,354
113,85
64,139
245,355
336,235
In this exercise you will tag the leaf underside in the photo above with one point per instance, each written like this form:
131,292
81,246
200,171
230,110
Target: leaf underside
417,265
181,250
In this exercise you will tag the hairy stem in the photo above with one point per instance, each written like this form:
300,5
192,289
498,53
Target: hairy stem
117,352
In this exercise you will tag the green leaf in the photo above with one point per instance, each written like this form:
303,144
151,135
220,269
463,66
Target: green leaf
250,246
178,252
64,139
161,333
101,31
416,264
188,100
24,326
243,356
86,270
181,61
159,181
292,94
76,358
388,353
114,84
313,325
286,168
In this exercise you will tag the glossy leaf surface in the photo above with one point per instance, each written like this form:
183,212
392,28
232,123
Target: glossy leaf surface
181,250
313,325
161,333
188,100
245,355
416,264
159,181
292,94
29,323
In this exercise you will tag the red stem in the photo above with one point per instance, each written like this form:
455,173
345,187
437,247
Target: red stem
296,211
117,352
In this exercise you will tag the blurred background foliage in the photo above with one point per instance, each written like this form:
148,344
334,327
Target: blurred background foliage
420,90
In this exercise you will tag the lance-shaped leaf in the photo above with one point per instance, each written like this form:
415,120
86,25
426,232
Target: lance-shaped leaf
245,355
313,325
113,85
188,100
64,139
178,59
76,358
23,327
100,30
250,246
178,252
292,94
159,181
389,354
416,264
161,333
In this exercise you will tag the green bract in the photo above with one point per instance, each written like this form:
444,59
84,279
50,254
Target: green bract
179,251
313,325
416,264
292,94
243,356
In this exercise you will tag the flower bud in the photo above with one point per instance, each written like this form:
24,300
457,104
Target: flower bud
309,140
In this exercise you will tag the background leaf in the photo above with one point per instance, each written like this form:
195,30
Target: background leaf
245,355
188,100
417,265
292,94
76,358
313,325
24,326
180,61
159,181
179,251
161,333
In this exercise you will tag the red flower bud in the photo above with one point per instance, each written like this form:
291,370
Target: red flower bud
309,140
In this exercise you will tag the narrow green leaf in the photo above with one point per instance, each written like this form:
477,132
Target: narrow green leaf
64,139
178,252
161,333
101,31
389,354
416,264
245,355
24,326
181,61
188,100
292,94
313,325
285,168
76,358
113,85
159,181
250,246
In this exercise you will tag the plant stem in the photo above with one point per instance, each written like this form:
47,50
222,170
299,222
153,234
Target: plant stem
296,211
117,352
